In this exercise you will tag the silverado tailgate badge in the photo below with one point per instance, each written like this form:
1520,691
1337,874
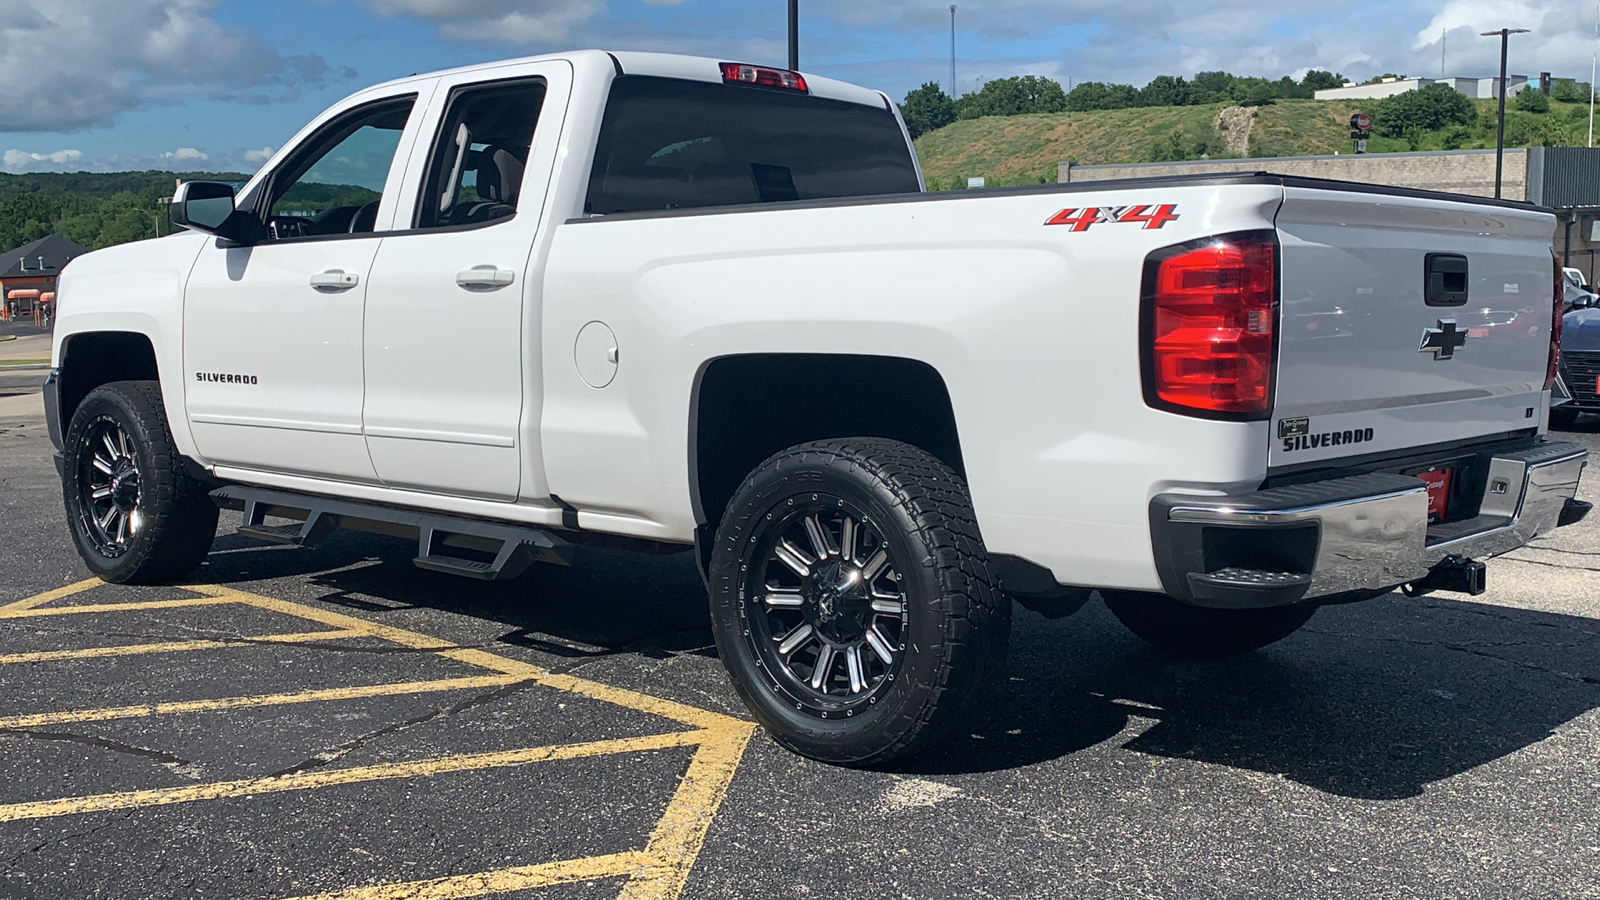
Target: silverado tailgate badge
1444,340
1081,219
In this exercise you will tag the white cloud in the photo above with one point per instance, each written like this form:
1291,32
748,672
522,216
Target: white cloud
21,161
258,156
66,65
185,154
501,21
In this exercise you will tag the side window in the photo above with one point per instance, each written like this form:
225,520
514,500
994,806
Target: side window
334,184
474,173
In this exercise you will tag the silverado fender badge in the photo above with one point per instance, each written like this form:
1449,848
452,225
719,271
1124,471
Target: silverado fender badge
1443,340
1081,219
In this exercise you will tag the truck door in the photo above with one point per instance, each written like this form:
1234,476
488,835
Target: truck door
272,331
452,399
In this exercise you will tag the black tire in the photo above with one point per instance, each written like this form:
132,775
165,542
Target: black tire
1563,417
1186,630
157,523
931,602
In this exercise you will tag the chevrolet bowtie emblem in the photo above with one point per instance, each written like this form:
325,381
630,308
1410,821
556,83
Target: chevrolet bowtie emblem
1444,340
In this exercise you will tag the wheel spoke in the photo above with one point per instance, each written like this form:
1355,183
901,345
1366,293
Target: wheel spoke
135,520
783,597
847,540
122,528
852,659
819,675
105,521
794,558
879,645
102,464
795,640
821,540
888,604
872,568
123,443
100,493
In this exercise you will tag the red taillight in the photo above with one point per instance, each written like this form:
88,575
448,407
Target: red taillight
1555,327
761,75
1210,314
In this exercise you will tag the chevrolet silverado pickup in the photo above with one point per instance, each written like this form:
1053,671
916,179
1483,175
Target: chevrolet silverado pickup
659,302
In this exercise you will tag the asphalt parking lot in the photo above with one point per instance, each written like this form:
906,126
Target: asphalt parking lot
336,723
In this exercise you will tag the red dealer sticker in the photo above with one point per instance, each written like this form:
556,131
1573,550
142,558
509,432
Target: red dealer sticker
1151,216
1438,482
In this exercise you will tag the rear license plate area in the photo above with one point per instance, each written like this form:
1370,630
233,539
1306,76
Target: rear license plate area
1439,480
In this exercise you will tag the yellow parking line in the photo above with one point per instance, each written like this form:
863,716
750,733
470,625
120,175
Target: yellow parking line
43,809
20,613
501,881
681,832
634,700
35,720
298,637
57,594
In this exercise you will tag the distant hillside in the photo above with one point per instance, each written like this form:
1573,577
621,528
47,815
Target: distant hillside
1008,150
96,209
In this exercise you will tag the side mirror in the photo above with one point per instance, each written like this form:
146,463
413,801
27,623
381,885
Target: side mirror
1589,288
208,206
1583,302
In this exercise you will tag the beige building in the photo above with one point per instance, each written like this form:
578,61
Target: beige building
1566,179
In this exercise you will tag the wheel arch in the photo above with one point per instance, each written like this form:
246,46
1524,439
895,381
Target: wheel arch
735,423
92,358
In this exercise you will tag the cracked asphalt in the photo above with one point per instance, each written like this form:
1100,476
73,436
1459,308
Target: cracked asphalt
1432,747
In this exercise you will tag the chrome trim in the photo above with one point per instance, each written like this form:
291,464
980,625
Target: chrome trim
1381,541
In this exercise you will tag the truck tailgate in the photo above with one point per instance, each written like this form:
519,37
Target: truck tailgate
1369,360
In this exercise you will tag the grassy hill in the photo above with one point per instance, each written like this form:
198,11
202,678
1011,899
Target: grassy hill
1026,149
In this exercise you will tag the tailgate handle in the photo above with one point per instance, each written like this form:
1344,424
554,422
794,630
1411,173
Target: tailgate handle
1445,279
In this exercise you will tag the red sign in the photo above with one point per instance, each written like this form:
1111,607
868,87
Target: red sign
1361,122
1438,482
1082,219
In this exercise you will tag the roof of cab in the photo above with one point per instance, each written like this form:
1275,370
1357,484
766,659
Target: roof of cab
664,65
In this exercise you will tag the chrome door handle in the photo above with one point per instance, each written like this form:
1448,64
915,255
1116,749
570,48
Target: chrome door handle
485,278
335,280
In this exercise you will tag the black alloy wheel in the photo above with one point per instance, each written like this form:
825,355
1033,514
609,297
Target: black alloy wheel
109,494
852,600
824,606
136,513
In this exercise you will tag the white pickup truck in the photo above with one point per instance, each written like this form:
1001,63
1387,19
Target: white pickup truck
649,301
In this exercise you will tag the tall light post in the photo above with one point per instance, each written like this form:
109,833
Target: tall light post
794,35
1500,130
952,50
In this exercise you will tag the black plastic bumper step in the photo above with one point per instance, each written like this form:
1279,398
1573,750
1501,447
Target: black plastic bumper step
1233,584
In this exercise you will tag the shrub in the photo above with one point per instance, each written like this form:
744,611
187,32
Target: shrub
927,108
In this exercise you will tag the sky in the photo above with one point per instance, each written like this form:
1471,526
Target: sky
111,85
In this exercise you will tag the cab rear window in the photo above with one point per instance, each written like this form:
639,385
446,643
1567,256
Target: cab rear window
666,143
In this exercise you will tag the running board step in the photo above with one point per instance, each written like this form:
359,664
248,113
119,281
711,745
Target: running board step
450,565
510,548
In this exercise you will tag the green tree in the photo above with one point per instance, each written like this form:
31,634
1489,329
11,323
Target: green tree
1165,90
1569,90
1318,80
1099,95
1435,107
1531,99
928,108
1015,96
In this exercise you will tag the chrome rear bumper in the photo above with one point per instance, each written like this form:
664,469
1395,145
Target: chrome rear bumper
1348,535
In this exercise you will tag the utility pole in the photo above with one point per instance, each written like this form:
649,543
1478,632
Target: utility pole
794,35
1500,129
952,51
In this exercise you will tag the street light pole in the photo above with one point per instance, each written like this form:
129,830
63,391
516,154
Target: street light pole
794,35
1500,129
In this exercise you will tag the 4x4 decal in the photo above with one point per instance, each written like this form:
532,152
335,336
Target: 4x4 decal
1081,219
